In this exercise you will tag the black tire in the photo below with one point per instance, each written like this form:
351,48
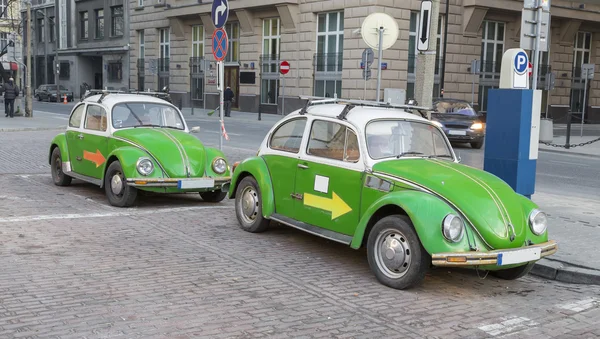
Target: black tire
513,273
249,210
399,272
215,196
127,195
477,144
58,176
39,98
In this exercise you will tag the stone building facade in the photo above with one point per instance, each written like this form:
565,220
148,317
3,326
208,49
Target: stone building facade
171,45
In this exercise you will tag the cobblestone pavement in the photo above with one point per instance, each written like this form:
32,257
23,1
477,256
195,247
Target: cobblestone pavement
176,267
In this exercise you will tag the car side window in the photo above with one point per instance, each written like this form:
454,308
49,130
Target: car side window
333,141
95,118
288,136
75,120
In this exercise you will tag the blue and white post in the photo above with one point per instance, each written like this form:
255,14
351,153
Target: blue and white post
512,126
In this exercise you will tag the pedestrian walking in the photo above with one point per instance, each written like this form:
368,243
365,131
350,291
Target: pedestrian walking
228,98
11,91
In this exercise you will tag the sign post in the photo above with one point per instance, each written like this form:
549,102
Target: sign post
426,58
284,68
587,72
220,43
535,25
367,60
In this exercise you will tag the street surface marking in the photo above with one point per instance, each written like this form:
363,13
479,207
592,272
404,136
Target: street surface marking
219,132
556,176
61,116
581,305
108,215
510,325
568,163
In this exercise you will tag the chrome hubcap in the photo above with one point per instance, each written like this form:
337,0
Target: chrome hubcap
249,204
392,253
58,166
116,184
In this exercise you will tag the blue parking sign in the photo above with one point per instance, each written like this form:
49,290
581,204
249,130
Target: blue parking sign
220,12
521,62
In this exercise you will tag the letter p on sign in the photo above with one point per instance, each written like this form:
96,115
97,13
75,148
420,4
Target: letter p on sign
521,63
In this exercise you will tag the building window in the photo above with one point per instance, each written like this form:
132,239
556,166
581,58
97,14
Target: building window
492,48
269,86
40,32
64,70
52,27
164,54
164,43
142,43
117,21
3,40
141,70
99,23
412,55
330,50
581,55
84,22
197,41
140,3
233,33
115,71
3,8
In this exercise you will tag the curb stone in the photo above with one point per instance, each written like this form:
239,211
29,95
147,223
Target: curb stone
571,153
554,270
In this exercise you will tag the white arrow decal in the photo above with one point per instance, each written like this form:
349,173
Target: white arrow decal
220,10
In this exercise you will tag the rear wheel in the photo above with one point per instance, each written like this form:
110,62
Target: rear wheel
215,196
395,253
513,273
248,206
58,176
119,194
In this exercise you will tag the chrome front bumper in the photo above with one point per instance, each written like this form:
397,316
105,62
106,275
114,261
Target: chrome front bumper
487,258
181,183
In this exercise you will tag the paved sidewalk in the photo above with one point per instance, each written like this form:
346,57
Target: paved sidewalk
39,121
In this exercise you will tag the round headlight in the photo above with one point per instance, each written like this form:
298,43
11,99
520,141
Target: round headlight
538,222
145,166
219,166
453,228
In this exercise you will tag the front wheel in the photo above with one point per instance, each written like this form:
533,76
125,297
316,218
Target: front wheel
395,253
119,194
477,144
248,206
59,177
513,273
215,196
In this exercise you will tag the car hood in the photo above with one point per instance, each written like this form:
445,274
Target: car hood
178,152
488,202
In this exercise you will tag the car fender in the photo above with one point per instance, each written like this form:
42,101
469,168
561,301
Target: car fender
60,141
256,167
426,213
128,157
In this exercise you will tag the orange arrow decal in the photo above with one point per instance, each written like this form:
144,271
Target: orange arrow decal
97,158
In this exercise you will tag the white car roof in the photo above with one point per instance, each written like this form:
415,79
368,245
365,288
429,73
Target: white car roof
114,98
360,115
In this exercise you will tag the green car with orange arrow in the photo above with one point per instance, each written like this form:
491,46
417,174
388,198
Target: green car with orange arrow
129,142
382,176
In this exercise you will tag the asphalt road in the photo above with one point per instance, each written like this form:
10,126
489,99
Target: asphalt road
557,173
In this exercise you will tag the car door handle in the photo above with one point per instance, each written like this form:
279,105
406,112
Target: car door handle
80,136
302,166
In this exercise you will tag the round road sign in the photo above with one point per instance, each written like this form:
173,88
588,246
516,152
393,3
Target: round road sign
521,63
529,69
284,67
220,43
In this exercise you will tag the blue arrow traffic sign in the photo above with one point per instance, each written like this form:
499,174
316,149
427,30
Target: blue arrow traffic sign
220,43
219,13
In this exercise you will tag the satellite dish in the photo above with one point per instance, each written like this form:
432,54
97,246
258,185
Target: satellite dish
370,30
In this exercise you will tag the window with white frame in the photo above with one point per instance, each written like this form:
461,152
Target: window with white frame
142,44
330,51
3,40
141,70
581,55
412,54
269,90
233,34
492,49
3,8
164,43
197,41
140,3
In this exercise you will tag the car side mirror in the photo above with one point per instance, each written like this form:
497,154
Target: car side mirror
195,129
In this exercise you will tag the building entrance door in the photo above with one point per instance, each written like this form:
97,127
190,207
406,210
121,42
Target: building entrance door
232,79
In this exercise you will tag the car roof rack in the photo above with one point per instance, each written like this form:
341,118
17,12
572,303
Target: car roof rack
351,103
105,92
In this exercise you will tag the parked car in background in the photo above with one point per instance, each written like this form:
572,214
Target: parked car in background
48,93
459,121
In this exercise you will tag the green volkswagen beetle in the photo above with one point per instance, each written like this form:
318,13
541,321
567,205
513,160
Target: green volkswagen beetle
382,177
130,142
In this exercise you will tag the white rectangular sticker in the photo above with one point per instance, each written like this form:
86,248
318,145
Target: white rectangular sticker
534,138
196,183
321,184
519,256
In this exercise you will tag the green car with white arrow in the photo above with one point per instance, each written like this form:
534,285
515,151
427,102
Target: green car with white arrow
380,176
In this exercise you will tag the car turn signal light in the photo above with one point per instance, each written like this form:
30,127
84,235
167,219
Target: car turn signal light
456,259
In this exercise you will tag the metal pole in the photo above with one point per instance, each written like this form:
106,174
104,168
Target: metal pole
221,75
584,103
379,58
283,96
443,70
56,52
365,77
568,140
537,46
473,88
29,99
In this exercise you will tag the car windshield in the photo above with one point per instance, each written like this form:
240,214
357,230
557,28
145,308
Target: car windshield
454,107
139,114
399,138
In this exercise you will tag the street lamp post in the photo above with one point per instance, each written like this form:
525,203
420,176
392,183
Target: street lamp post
29,99
55,49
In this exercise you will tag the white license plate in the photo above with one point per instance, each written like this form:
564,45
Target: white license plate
457,132
195,183
519,256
